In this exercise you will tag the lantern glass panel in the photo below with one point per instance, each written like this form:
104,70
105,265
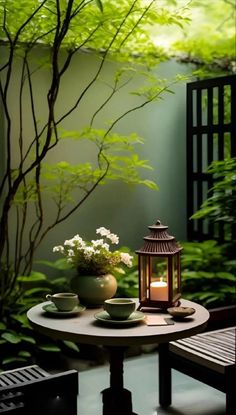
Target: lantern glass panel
158,285
144,276
175,273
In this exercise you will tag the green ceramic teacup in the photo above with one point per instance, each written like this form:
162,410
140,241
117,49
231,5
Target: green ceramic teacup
119,308
64,301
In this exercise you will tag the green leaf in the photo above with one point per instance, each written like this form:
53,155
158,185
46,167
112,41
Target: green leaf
13,359
226,276
206,275
60,264
190,274
11,337
24,353
59,281
99,4
2,326
50,348
21,318
27,339
71,345
33,277
39,290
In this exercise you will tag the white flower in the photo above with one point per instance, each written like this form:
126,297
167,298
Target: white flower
103,231
94,256
113,238
97,242
88,252
58,248
126,259
69,242
75,241
79,240
105,246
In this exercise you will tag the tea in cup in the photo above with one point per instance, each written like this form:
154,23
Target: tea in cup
64,301
119,308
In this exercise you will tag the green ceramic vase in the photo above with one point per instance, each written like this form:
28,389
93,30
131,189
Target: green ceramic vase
94,290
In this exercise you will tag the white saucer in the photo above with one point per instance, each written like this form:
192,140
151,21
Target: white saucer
51,309
135,317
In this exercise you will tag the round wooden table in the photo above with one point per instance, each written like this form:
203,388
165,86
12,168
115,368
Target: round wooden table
84,328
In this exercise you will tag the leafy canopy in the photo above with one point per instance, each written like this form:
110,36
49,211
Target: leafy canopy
122,28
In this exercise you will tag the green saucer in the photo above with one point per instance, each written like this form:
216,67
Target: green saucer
134,318
51,309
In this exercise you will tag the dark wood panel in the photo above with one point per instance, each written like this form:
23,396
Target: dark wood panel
206,101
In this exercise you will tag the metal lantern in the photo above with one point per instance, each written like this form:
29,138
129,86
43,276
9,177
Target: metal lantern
159,269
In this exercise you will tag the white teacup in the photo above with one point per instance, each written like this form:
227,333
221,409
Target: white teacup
64,301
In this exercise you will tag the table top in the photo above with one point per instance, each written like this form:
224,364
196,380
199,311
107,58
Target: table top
84,328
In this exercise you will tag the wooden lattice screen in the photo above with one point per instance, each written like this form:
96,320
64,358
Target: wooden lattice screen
211,135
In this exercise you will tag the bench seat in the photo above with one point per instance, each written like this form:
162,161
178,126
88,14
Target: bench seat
33,391
208,357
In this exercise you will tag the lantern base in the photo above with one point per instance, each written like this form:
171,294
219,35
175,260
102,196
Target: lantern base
149,307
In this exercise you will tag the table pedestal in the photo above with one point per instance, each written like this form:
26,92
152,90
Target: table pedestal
164,376
116,399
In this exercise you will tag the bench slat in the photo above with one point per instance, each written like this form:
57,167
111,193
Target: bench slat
215,349
227,356
198,358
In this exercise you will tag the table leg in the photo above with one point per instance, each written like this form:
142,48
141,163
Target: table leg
164,376
116,399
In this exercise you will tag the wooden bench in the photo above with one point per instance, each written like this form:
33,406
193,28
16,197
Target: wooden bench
33,391
208,357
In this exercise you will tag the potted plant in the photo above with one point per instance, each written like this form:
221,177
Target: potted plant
94,264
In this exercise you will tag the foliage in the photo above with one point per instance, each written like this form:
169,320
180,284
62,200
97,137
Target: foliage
209,41
19,343
209,270
95,257
220,205
127,280
59,31
208,276
41,39
44,38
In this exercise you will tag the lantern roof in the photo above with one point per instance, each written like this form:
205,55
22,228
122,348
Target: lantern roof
159,242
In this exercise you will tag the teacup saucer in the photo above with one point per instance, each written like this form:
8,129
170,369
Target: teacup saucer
135,317
51,309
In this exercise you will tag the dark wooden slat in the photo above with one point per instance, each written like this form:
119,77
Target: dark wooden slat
213,129
209,125
190,190
4,380
221,80
221,122
210,146
207,350
233,119
195,229
19,377
199,158
219,344
39,371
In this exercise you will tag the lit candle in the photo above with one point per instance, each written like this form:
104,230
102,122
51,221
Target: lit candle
159,290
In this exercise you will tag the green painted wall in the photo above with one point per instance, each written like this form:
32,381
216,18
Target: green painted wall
125,210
